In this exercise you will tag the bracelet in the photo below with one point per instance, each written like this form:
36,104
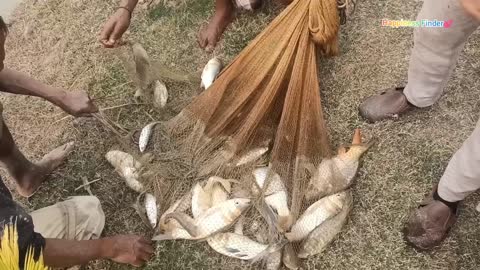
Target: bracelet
127,9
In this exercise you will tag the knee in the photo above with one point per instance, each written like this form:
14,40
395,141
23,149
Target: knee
90,217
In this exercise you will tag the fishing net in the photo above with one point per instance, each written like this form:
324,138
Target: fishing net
263,110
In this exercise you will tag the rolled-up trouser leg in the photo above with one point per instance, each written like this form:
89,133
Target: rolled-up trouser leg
462,175
435,51
78,218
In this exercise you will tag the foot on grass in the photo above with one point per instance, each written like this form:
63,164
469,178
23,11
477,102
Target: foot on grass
36,175
210,34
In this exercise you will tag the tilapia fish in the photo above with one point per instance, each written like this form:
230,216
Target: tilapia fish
275,195
336,174
316,214
214,220
326,232
236,246
216,191
210,72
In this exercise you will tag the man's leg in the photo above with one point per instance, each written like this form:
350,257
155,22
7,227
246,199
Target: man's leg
224,14
430,223
79,218
28,176
434,55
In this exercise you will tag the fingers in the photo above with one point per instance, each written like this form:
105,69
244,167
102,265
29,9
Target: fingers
106,33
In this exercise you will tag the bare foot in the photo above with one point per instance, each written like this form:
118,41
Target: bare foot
209,35
36,175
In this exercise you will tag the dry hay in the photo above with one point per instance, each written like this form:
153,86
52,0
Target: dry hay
411,154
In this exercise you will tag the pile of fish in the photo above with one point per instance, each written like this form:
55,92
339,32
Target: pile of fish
210,211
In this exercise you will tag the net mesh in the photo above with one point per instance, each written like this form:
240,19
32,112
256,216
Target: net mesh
263,110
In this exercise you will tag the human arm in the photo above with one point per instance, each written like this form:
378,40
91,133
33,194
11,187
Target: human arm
127,249
118,23
75,103
472,7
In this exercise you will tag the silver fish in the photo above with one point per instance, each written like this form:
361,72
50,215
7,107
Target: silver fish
336,174
320,237
316,214
236,246
151,209
201,200
275,195
251,156
160,94
210,72
216,191
214,220
145,135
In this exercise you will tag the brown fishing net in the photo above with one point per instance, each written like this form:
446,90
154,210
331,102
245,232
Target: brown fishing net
269,93
268,97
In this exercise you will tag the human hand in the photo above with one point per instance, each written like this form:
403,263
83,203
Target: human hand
128,249
472,7
116,25
77,103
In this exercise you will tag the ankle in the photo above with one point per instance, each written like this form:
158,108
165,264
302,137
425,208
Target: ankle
452,205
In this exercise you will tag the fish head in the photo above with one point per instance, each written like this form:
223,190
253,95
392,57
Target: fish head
340,199
241,203
216,62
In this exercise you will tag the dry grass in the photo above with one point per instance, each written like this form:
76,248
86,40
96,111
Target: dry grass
409,157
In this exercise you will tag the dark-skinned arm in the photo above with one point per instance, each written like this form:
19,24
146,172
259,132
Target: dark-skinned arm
75,103
127,249
118,23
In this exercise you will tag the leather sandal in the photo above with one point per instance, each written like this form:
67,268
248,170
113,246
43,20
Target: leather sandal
429,224
389,104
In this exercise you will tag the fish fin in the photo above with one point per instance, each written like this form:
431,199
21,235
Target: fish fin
357,137
268,214
290,258
269,250
162,237
185,221
238,229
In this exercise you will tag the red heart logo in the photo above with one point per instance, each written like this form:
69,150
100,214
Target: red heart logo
447,24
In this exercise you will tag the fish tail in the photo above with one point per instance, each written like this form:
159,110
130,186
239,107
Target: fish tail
269,250
185,221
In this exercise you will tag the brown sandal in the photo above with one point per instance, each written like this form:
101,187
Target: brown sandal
390,104
429,224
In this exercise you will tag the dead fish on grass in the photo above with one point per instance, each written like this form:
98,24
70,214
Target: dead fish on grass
126,165
275,195
145,135
160,94
151,208
316,214
252,156
214,220
210,72
216,191
323,235
336,174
